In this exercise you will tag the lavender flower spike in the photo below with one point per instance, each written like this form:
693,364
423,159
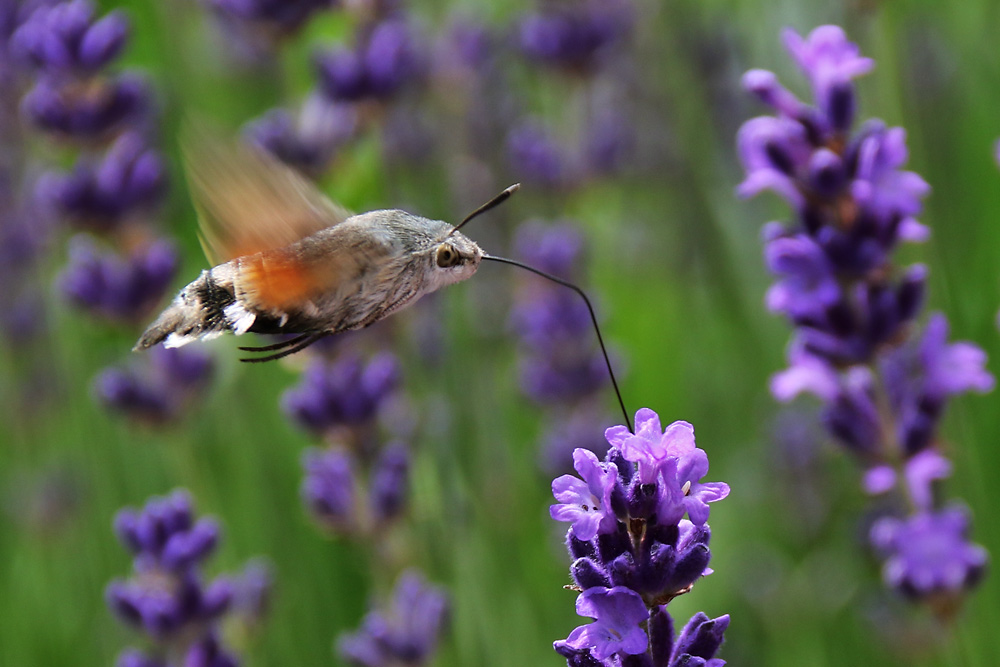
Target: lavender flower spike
404,634
884,384
633,552
167,597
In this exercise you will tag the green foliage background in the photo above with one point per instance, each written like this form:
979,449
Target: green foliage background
676,263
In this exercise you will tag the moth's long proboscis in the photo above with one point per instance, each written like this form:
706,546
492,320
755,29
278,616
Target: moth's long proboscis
593,318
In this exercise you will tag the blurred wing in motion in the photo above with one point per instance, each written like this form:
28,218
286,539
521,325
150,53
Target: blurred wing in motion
247,201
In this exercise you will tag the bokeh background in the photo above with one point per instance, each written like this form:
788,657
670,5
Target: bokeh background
672,259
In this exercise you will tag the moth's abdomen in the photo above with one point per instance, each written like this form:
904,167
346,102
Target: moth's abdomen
205,308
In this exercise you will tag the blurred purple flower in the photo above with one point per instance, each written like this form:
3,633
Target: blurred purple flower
951,369
563,378
344,393
556,248
329,488
383,61
159,388
574,36
467,45
307,141
118,288
253,589
830,61
535,156
86,111
406,633
806,286
130,176
65,38
167,597
929,552
389,484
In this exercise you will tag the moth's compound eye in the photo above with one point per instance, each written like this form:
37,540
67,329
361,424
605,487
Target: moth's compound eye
446,256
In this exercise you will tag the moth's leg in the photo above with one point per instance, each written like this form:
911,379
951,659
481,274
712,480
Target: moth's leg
379,313
278,346
298,347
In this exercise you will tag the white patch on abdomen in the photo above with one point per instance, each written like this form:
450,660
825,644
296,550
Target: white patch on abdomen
239,318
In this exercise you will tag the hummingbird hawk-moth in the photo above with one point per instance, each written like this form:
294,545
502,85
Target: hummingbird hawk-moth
288,260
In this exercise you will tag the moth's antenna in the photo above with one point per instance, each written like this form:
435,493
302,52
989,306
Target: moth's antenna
593,317
493,203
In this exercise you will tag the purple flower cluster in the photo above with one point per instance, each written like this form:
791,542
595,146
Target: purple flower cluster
69,47
560,365
384,58
340,401
307,141
346,393
354,86
633,549
857,347
158,387
123,289
102,194
168,597
332,489
77,100
404,634
574,38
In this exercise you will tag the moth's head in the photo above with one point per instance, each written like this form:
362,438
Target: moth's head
454,258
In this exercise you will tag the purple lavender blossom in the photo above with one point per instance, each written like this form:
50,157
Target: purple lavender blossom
883,383
617,612
253,589
344,393
124,289
929,553
86,111
574,37
699,641
167,597
385,59
633,552
329,488
66,38
560,363
536,157
129,177
406,632
587,502
390,482
557,248
307,141
157,389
